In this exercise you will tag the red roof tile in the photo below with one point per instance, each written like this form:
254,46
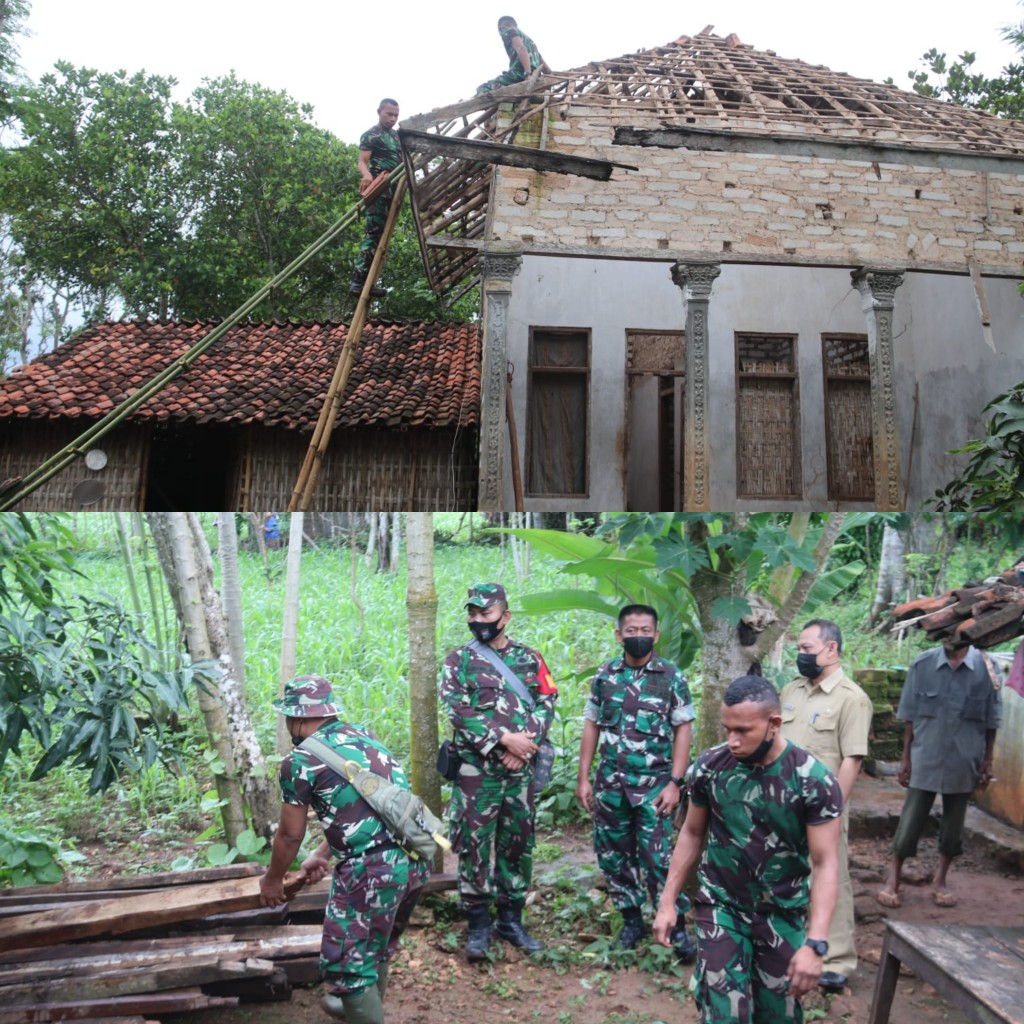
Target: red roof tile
405,375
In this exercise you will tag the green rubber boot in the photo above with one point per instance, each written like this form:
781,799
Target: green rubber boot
382,979
362,1007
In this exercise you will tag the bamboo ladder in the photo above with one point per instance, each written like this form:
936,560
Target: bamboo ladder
306,481
14,491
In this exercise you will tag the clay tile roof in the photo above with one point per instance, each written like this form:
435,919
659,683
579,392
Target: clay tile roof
405,375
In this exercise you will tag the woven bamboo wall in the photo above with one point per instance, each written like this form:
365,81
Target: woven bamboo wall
767,418
27,443
379,470
850,459
368,469
848,418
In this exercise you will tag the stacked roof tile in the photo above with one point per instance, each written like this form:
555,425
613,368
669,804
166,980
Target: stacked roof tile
275,374
983,613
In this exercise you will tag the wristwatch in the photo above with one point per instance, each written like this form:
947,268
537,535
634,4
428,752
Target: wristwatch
678,780
820,946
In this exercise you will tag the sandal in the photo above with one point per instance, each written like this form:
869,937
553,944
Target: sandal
888,898
944,898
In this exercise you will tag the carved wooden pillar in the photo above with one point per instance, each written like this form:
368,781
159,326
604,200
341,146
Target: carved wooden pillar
695,279
877,297
498,269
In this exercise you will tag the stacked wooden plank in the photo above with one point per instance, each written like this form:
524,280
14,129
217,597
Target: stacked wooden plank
187,941
982,614
49,973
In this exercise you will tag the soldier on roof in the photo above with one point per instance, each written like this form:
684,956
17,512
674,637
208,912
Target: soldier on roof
523,56
379,153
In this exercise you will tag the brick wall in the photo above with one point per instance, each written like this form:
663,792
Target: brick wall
794,208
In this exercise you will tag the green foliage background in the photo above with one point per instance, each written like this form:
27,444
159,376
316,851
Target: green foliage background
152,813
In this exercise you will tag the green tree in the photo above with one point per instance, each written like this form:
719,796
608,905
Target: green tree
73,675
12,17
410,296
94,189
265,181
993,478
726,586
957,82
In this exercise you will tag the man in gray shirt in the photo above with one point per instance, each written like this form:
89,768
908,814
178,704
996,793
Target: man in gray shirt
951,708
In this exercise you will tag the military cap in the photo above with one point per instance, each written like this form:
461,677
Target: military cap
308,697
483,595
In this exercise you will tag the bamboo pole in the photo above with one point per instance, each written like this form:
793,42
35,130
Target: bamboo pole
77,448
306,481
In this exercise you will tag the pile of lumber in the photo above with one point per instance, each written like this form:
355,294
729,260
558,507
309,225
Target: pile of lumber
983,614
199,939
122,950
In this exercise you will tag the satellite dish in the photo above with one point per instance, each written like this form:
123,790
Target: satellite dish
96,458
88,492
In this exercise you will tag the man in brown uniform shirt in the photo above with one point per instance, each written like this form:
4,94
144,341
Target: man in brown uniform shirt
829,715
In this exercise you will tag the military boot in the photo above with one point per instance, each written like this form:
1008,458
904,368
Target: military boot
685,947
510,928
633,929
478,936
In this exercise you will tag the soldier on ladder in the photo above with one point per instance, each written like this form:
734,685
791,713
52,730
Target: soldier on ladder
379,153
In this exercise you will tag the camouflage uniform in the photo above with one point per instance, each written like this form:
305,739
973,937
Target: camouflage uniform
492,806
637,711
751,904
831,717
516,72
375,885
385,153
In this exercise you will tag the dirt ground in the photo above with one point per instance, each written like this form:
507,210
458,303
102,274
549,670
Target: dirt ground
433,984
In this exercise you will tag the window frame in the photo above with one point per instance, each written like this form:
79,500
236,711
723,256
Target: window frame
579,333
831,476
794,377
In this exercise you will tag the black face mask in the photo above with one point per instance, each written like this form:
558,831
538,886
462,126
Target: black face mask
485,631
807,665
638,646
762,749
296,740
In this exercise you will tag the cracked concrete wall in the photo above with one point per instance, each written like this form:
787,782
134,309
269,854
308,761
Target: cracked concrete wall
938,340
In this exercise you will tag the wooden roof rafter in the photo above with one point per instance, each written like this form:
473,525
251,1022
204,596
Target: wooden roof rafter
704,84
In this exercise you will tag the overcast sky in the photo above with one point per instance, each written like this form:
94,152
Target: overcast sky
342,57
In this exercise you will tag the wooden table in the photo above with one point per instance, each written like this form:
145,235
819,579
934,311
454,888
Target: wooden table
978,969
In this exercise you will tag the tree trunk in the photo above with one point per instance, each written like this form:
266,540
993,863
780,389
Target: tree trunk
421,606
133,586
231,589
371,540
290,624
891,587
157,609
724,656
387,542
551,521
520,549
259,793
177,551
